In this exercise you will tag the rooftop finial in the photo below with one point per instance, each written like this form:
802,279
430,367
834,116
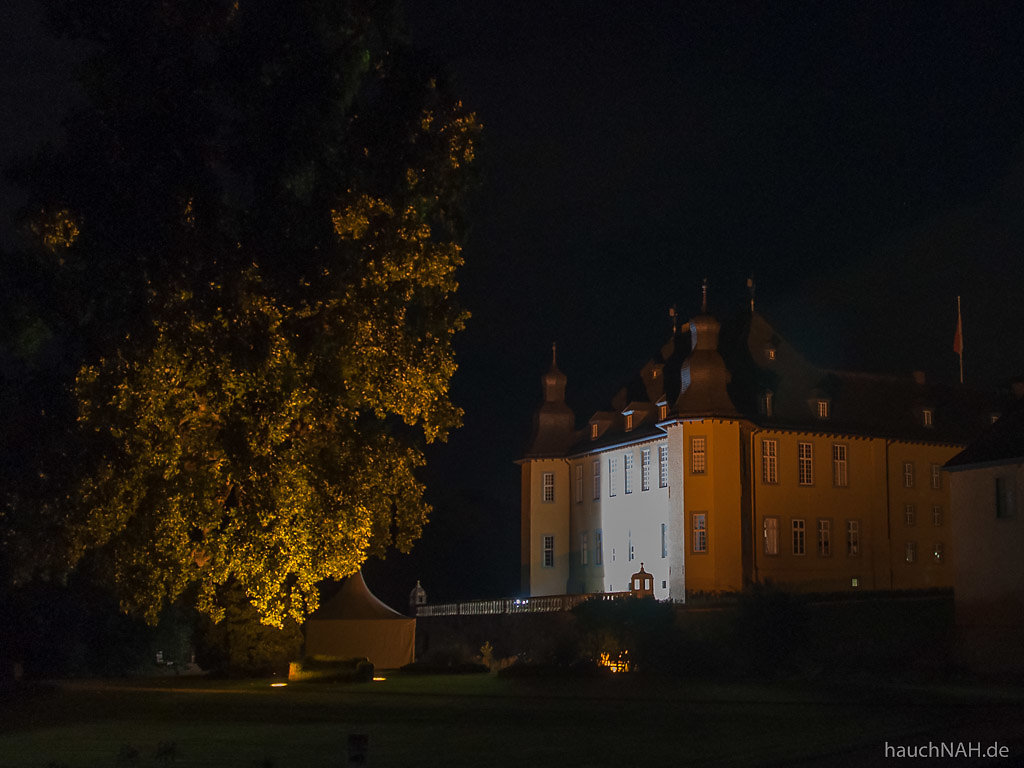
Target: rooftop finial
704,297
750,287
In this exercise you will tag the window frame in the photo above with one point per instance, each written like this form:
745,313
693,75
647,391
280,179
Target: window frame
798,528
627,472
645,470
547,493
548,550
824,537
840,465
613,465
805,463
908,474
699,543
910,552
663,466
853,537
698,456
769,461
597,479
770,534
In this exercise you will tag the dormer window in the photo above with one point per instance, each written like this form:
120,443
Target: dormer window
769,352
823,407
663,411
629,421
593,431
993,418
928,417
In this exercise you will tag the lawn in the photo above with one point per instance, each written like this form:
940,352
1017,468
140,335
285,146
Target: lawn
486,721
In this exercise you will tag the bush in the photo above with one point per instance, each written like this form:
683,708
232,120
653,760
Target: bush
321,669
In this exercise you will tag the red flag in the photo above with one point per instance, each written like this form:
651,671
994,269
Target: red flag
958,338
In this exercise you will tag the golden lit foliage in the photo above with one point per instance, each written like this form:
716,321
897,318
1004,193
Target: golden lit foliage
55,230
231,467
266,295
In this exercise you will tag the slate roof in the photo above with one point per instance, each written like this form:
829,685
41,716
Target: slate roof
1003,443
865,404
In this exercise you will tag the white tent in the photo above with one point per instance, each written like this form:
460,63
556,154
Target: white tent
354,623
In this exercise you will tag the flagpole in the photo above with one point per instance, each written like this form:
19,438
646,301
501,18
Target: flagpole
960,338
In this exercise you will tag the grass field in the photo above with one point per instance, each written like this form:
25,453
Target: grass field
486,721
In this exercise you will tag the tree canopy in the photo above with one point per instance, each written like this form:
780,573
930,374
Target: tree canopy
250,243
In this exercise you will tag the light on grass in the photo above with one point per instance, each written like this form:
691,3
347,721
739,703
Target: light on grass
379,679
278,685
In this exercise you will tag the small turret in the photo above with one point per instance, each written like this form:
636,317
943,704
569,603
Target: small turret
704,377
554,421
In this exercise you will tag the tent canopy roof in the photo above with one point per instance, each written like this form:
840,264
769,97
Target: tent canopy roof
355,601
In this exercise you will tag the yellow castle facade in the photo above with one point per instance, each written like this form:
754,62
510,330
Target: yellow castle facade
729,460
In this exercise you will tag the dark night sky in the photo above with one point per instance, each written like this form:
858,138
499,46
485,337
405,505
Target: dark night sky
864,162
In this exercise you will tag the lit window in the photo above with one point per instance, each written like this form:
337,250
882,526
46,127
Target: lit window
598,548
663,466
645,469
823,409
852,538
700,532
908,474
840,479
627,461
1005,502
927,417
769,352
854,581
597,479
771,535
593,431
579,483
910,552
664,540
805,453
698,458
910,514
769,462
937,516
584,548
824,538
629,421
549,551
799,541
663,411
549,486
613,465
937,552
936,476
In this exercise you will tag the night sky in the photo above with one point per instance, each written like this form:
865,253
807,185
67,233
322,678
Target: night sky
864,162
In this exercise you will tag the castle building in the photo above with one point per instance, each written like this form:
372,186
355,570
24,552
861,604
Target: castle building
729,460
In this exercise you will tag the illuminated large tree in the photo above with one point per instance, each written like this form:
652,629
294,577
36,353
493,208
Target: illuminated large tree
255,225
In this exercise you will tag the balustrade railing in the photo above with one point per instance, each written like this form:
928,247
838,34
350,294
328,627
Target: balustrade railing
544,604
